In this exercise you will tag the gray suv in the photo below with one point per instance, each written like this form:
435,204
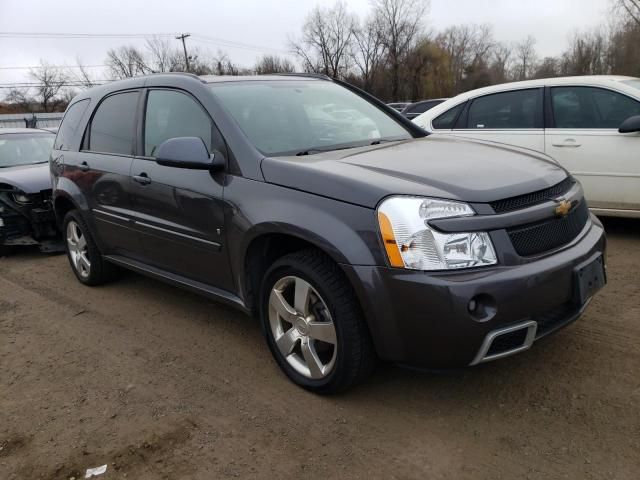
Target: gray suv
312,205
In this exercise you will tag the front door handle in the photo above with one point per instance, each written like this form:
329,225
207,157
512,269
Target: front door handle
84,166
142,179
567,143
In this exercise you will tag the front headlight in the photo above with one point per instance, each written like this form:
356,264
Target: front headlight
23,198
411,243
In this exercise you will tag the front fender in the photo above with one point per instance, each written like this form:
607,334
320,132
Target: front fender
347,233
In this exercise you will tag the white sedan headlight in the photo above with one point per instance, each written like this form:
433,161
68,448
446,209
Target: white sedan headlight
23,198
411,243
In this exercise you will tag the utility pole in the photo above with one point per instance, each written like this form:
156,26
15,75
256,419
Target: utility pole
184,46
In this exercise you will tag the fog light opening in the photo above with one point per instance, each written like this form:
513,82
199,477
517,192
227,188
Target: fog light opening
482,307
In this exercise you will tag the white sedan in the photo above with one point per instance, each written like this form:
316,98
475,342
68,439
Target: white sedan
590,125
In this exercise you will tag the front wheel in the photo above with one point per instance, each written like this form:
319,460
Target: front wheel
314,324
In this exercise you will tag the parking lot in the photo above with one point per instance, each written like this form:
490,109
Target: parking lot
160,383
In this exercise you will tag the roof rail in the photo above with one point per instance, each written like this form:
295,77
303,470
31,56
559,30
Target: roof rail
320,76
175,73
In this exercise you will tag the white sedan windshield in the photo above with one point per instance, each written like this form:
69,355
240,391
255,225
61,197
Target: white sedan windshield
24,148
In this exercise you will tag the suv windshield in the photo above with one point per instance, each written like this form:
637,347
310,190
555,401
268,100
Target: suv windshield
635,83
288,117
25,148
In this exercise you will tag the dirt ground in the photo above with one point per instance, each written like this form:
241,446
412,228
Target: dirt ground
158,383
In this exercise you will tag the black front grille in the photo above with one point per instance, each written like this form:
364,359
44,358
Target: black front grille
529,199
540,237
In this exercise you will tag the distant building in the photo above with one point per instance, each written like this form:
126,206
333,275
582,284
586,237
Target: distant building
19,120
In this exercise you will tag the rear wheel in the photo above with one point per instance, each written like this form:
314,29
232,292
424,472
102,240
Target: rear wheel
5,250
83,254
314,325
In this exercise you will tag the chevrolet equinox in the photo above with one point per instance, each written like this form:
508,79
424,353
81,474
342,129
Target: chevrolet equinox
310,204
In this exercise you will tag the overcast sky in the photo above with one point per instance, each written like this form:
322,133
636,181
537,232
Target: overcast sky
262,26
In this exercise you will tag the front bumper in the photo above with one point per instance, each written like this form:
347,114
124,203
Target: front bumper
423,319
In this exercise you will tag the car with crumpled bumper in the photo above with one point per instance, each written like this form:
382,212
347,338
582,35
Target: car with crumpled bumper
366,244
26,211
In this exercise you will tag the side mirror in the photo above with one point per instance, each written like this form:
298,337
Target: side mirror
188,152
630,125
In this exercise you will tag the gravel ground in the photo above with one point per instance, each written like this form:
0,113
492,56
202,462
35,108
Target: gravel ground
159,383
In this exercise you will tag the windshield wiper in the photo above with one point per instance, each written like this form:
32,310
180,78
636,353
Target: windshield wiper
311,151
385,140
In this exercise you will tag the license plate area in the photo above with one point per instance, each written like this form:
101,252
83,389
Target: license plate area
589,278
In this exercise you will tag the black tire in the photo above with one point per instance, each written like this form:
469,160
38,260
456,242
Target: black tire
5,250
356,358
100,271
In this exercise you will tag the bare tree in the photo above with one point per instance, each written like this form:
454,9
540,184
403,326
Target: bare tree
629,7
126,61
220,64
326,39
162,58
50,80
80,75
586,55
502,55
549,67
525,52
368,51
273,64
19,97
400,23
467,47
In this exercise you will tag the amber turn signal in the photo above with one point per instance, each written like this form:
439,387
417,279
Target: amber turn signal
389,240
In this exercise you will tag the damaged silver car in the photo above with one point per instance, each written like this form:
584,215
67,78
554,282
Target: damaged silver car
26,214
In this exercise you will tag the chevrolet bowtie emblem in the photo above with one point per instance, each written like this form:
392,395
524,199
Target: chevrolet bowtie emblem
563,208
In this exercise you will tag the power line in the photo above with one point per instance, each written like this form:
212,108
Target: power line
197,37
81,35
233,44
29,67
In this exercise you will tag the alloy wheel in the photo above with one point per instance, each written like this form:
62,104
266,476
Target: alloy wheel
78,250
302,327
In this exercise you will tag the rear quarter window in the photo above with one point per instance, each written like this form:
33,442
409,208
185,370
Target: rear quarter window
446,120
70,124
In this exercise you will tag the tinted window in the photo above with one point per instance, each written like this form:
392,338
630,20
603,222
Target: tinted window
113,124
284,117
70,124
517,109
173,114
447,119
25,148
590,107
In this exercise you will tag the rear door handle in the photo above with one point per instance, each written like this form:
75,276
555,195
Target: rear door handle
84,166
567,143
142,179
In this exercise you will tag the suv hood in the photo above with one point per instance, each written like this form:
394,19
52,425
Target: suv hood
28,178
458,169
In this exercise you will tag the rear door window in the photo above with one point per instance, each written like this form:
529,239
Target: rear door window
113,125
70,124
519,109
591,107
